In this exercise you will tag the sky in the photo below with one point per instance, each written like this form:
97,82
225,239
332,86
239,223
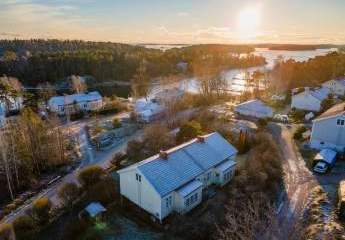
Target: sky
176,21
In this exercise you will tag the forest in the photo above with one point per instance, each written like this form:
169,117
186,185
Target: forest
290,74
40,61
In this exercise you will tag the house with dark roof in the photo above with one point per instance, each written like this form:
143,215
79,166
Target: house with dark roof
310,99
174,180
329,129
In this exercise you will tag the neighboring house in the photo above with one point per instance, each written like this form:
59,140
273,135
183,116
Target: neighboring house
309,99
148,110
74,103
254,108
336,86
329,129
174,180
11,104
2,117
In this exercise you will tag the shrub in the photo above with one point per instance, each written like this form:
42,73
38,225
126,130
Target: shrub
116,123
262,122
76,116
188,131
299,133
24,228
90,175
104,191
41,210
6,232
76,229
68,193
10,207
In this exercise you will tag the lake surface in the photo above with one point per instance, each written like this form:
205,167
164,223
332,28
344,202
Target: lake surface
236,79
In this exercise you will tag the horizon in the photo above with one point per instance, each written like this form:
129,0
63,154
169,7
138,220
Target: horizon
179,22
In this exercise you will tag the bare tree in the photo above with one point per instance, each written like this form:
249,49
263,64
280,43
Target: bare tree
78,84
141,82
252,217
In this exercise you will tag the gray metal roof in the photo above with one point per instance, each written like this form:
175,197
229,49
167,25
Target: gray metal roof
185,162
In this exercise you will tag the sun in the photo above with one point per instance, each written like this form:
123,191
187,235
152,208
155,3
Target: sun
248,23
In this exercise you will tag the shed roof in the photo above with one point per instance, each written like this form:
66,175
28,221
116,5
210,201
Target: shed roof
184,162
95,208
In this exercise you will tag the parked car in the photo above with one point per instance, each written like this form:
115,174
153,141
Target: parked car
324,160
281,118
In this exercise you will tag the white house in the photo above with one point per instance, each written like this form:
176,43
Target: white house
329,129
254,108
148,110
75,103
174,180
11,104
336,86
309,99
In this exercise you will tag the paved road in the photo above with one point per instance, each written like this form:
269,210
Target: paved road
101,158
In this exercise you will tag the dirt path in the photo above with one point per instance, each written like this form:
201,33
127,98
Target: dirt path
298,180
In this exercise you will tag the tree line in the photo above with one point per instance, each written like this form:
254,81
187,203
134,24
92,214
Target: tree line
291,74
40,61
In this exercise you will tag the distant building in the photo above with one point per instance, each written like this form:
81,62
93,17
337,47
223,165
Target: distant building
148,110
309,99
74,103
254,108
154,108
11,104
336,86
174,180
329,129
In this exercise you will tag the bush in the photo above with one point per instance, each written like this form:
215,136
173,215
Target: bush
41,210
90,175
262,122
297,115
6,232
116,123
298,135
68,193
188,131
76,116
76,229
104,191
24,228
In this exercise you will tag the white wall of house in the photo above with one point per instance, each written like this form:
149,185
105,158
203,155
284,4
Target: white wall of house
305,101
140,192
329,133
335,86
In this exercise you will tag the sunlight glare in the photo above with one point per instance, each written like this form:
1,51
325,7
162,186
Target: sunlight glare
248,23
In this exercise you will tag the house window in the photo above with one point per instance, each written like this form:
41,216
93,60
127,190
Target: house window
192,199
138,177
168,202
209,176
340,122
